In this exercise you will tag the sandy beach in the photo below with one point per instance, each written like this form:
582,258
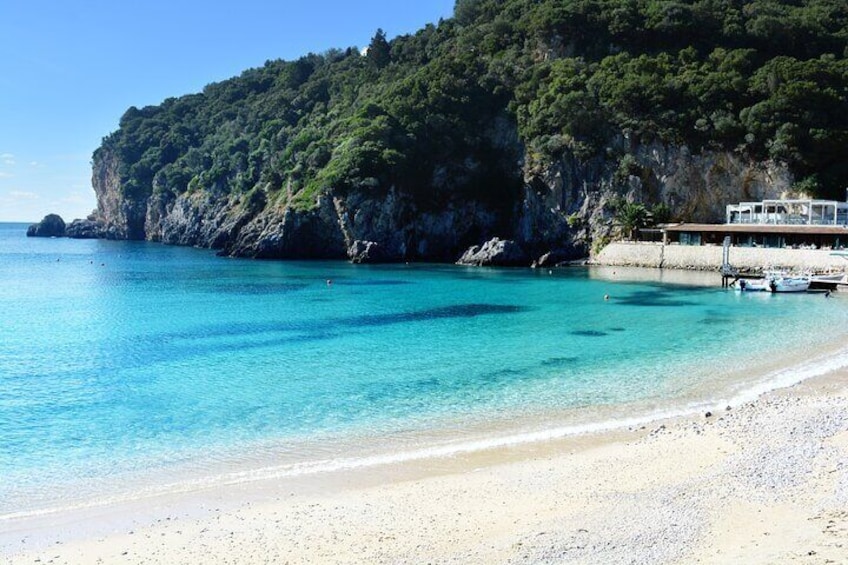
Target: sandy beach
763,482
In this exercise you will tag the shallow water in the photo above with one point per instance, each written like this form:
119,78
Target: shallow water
122,363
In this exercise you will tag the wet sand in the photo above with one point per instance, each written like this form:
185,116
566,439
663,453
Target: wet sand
765,482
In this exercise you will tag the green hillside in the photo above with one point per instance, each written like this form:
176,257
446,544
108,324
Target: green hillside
766,79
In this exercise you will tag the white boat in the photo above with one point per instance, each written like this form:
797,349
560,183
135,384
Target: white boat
829,282
752,285
775,281
832,281
789,283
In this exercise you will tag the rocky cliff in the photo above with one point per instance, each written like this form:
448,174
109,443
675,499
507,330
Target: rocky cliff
522,131
574,200
353,224
563,210
120,215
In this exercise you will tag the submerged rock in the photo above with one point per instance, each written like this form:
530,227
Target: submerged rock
495,252
52,225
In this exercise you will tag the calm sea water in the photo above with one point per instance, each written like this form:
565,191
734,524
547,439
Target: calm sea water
122,363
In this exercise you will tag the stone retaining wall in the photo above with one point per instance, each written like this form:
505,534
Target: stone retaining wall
708,257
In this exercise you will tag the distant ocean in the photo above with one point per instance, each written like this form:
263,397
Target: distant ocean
128,368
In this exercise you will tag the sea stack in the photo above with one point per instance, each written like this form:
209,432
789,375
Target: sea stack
52,225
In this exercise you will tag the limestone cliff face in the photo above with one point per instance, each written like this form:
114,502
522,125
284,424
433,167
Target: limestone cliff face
699,186
255,226
571,201
563,211
122,214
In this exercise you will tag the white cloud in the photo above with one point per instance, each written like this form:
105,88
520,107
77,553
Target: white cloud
7,159
23,195
19,205
5,175
34,163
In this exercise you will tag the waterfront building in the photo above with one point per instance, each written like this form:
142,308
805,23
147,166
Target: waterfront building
789,223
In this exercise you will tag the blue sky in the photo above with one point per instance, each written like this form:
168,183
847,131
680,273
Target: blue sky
70,68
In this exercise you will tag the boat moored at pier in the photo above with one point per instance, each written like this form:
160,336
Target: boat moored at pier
789,283
774,281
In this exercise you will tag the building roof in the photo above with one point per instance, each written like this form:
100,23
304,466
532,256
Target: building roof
759,228
810,201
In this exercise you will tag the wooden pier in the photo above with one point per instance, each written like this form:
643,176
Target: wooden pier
727,270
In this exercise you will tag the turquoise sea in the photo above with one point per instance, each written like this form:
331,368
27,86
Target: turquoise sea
131,368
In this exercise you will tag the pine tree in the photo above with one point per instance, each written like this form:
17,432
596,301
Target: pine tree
379,51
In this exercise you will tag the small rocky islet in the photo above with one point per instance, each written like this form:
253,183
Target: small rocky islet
52,225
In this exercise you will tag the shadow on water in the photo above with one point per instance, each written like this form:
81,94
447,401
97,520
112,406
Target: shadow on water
180,346
715,321
469,382
559,361
715,317
653,298
368,320
617,329
500,375
589,333
457,311
255,289
469,385
406,391
366,282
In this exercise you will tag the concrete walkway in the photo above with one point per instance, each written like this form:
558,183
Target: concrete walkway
708,257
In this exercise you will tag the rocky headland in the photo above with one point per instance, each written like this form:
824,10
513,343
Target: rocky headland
514,133
560,213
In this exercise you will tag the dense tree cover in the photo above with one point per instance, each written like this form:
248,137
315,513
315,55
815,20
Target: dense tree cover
446,111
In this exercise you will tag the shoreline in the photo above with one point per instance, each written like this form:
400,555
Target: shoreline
262,463
690,455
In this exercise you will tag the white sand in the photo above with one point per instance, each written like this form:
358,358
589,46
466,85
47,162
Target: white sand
766,482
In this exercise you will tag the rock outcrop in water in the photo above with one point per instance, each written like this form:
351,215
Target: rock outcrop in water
496,251
86,229
52,225
90,228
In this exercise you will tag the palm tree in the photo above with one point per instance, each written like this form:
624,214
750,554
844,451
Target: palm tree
631,216
660,214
